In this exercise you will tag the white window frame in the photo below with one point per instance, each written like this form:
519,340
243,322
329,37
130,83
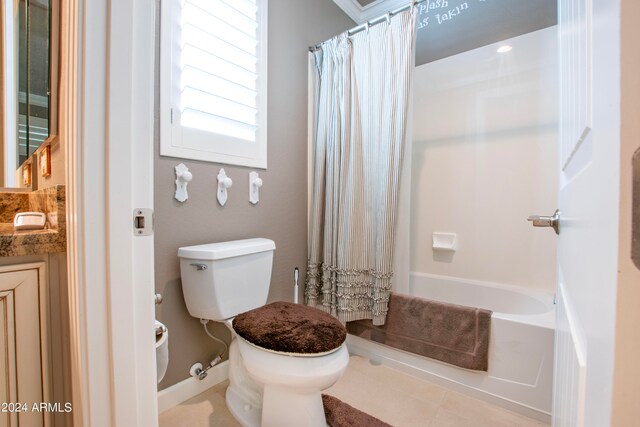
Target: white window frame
186,143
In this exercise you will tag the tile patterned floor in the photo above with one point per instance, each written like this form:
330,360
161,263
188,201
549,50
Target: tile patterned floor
396,398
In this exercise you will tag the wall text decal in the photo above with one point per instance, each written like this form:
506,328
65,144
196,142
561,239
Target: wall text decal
438,12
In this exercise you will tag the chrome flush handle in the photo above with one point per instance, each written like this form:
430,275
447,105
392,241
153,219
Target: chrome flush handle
199,266
547,221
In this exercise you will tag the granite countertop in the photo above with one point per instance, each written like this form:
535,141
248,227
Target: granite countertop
31,242
6,229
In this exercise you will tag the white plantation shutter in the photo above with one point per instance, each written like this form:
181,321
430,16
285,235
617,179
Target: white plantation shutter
213,80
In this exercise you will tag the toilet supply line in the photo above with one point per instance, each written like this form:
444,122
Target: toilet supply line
197,369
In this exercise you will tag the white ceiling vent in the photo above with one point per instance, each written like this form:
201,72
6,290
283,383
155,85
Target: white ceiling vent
370,10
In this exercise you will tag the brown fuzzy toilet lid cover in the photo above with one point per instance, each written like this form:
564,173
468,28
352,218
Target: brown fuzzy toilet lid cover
291,328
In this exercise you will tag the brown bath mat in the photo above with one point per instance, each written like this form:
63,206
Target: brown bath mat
447,332
339,414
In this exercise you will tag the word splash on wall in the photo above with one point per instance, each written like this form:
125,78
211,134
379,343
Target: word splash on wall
438,12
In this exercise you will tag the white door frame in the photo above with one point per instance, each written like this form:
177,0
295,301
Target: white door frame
107,125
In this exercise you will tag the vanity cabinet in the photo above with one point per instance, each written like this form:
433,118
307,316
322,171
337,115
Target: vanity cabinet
24,347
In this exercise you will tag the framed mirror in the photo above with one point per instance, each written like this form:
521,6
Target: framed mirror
33,76
29,67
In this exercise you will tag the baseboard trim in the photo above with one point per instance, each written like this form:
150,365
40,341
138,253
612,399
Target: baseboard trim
190,387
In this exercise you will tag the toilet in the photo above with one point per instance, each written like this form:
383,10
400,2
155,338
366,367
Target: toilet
273,382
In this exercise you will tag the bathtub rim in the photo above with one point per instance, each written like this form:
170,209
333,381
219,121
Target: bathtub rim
547,298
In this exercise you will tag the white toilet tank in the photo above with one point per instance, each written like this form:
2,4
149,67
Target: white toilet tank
221,280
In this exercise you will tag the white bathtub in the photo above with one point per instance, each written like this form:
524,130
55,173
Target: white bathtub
520,350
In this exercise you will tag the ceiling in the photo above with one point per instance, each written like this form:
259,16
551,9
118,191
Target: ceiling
449,27
365,10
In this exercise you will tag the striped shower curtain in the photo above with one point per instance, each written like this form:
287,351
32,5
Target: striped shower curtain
361,89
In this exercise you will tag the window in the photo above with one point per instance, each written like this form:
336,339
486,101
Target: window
213,81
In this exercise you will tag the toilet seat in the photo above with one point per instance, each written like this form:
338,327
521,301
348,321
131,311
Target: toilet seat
286,353
291,329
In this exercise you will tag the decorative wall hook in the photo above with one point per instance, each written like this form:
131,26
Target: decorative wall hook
224,182
183,177
255,182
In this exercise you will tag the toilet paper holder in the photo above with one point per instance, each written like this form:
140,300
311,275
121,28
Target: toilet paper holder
160,329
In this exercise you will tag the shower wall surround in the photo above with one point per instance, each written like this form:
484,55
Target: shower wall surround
484,158
280,215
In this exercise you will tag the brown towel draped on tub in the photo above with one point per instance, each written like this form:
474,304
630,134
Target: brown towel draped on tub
447,332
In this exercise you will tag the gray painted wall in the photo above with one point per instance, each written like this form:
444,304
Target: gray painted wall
448,27
281,214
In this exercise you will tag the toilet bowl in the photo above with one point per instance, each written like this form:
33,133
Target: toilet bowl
266,388
302,372
292,385
162,350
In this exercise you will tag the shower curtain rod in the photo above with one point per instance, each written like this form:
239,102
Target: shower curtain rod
373,22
